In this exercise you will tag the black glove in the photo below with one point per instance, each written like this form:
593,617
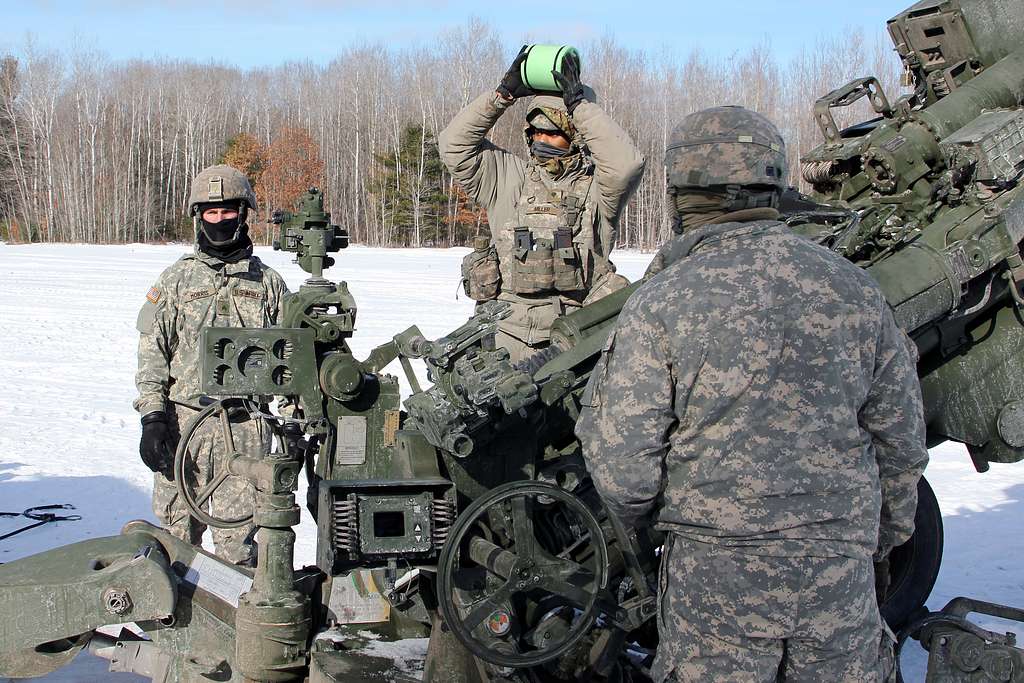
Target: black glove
512,86
155,444
569,81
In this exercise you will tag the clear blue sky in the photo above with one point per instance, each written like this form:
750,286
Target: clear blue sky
250,33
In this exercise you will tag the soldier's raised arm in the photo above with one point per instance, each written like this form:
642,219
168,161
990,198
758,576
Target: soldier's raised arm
481,167
618,164
894,416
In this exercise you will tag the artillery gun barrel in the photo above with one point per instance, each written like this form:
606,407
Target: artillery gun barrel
571,329
918,280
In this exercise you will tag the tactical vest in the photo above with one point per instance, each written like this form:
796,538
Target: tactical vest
548,247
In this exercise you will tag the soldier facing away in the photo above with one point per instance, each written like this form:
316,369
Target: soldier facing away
758,398
553,217
220,284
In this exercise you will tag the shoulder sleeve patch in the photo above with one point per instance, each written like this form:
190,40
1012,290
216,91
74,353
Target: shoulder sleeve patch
153,296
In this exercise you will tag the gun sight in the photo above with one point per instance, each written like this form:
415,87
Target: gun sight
309,234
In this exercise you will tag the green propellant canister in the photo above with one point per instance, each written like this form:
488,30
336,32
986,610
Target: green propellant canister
540,61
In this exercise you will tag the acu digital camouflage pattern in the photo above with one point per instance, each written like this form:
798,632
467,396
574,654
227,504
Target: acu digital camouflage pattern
680,245
757,396
728,614
199,291
724,146
519,193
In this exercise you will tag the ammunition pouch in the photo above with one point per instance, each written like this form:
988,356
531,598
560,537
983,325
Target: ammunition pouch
481,278
545,265
566,264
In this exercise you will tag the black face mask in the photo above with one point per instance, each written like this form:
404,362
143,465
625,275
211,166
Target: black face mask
221,234
237,246
543,150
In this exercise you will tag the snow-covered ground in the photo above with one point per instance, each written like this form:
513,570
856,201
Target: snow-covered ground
68,433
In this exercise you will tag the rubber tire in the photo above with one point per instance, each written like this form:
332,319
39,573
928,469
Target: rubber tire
914,566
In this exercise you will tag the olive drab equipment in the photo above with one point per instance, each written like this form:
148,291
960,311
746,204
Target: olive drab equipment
547,249
481,278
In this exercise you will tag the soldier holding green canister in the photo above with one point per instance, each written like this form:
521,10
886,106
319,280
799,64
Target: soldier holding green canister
759,399
554,217
220,284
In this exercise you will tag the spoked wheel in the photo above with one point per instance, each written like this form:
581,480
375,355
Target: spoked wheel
222,412
506,594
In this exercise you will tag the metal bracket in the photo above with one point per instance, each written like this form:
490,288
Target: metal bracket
845,96
1015,276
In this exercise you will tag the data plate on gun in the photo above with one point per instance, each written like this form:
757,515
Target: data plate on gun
351,446
253,362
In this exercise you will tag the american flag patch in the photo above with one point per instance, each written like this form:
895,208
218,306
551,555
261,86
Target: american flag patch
153,296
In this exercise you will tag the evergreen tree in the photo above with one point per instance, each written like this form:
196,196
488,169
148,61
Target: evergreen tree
410,189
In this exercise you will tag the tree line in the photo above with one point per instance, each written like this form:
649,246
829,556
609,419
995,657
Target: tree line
98,151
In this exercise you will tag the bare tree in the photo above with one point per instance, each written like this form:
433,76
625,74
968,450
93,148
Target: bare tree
100,151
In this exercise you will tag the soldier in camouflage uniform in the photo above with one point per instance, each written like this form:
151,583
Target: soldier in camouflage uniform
553,218
220,284
758,398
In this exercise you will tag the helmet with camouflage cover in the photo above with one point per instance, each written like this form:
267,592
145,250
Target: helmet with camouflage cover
723,146
548,113
220,184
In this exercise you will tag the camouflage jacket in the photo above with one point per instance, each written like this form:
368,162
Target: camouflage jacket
759,394
197,291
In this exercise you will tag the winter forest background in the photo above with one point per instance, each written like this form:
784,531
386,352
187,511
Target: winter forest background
93,150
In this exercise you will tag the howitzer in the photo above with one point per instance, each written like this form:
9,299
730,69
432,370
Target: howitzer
471,512
937,210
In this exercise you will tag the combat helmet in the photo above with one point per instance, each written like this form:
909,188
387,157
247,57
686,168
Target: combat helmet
725,146
547,112
221,184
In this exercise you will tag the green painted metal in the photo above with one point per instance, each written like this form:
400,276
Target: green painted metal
61,595
937,209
